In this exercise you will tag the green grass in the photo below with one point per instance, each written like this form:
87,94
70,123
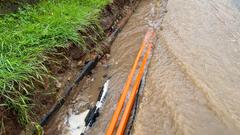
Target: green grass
24,38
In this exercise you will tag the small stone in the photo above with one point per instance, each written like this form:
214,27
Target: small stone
106,66
103,61
93,71
58,84
108,56
80,63
105,76
92,104
161,28
74,101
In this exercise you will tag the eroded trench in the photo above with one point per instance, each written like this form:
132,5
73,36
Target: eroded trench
70,118
179,97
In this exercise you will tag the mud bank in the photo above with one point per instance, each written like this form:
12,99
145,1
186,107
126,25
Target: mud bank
8,6
70,118
66,63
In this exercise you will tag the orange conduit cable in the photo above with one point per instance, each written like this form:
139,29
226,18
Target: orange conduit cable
128,109
123,96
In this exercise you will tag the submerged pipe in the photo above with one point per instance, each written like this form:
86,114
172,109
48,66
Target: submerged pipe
123,96
131,120
87,68
127,111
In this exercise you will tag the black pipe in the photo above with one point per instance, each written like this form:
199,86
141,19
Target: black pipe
134,111
87,68
85,71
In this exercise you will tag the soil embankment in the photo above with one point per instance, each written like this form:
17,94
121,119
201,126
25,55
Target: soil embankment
65,63
8,6
69,119
192,81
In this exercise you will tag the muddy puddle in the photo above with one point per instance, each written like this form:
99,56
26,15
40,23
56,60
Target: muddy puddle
70,118
192,85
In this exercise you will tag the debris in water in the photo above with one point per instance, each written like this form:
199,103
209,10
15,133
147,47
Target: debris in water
94,112
76,122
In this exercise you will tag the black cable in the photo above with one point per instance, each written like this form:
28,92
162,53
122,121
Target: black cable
134,111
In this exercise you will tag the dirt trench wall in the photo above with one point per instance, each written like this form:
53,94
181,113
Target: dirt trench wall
71,62
8,6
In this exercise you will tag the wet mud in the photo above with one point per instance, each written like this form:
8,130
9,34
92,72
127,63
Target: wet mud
192,81
70,118
64,64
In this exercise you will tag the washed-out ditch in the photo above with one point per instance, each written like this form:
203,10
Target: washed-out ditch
180,96
81,81
78,77
192,81
114,66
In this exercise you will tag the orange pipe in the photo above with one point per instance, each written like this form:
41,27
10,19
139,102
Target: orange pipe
120,104
128,109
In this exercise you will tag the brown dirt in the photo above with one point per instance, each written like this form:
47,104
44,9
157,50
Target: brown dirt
8,6
64,64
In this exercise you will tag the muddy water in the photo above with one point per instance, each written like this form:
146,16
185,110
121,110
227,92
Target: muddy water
193,81
192,85
123,53
69,120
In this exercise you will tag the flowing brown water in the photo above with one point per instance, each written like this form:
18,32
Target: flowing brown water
192,85
193,81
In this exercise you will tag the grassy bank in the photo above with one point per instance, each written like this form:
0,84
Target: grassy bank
24,38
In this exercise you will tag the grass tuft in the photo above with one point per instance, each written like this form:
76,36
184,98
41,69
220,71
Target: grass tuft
27,34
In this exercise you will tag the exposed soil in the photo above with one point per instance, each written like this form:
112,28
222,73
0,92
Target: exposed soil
65,63
8,6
